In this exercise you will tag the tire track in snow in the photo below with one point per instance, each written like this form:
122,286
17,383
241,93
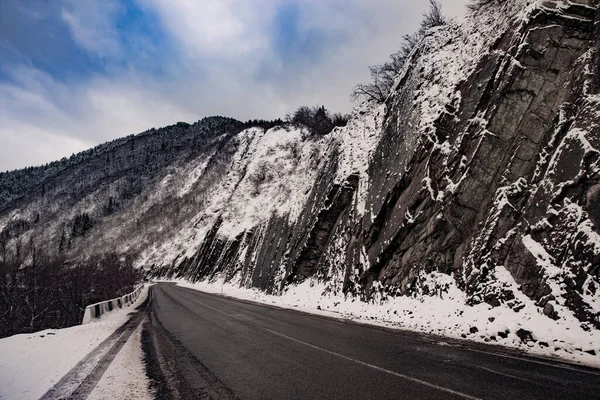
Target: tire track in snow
79,382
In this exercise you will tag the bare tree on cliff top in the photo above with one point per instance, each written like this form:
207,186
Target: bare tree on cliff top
383,75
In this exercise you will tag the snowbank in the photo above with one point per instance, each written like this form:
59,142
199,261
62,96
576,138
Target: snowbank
30,364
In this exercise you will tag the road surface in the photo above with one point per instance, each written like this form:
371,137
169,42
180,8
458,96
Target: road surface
201,345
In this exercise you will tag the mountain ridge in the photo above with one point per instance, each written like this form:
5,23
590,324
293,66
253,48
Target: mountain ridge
481,168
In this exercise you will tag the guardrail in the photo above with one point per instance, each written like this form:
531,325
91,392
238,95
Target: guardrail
98,309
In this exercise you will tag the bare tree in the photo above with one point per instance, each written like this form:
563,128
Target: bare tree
476,4
317,119
39,291
383,76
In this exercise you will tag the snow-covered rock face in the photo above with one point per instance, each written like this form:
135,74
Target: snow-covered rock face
480,174
267,174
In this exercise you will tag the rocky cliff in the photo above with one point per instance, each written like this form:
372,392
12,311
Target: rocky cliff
483,167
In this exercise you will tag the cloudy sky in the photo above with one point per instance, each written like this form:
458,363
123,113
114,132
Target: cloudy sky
76,73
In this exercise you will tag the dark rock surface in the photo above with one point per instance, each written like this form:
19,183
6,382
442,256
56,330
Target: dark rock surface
505,177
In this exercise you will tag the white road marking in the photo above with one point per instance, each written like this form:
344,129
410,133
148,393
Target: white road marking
409,378
534,361
428,340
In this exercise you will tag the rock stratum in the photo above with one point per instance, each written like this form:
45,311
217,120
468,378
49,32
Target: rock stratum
482,167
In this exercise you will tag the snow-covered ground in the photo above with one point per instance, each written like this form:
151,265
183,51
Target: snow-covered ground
442,312
125,378
30,364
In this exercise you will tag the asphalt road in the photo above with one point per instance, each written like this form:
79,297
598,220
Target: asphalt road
210,346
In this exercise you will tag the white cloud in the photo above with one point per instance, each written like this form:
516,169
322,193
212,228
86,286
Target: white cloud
120,108
454,8
215,28
226,43
24,144
42,119
91,23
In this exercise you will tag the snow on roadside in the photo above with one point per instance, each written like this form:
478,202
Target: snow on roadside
125,378
31,363
442,312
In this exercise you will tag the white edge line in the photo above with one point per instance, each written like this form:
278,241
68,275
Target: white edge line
416,380
531,360
423,336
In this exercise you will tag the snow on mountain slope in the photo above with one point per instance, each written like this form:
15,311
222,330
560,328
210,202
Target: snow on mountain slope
270,173
454,165
476,185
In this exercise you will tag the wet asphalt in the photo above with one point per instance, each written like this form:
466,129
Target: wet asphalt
227,348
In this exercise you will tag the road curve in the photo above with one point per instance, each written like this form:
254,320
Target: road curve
207,346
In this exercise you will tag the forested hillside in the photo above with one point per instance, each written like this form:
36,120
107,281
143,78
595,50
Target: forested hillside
476,171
